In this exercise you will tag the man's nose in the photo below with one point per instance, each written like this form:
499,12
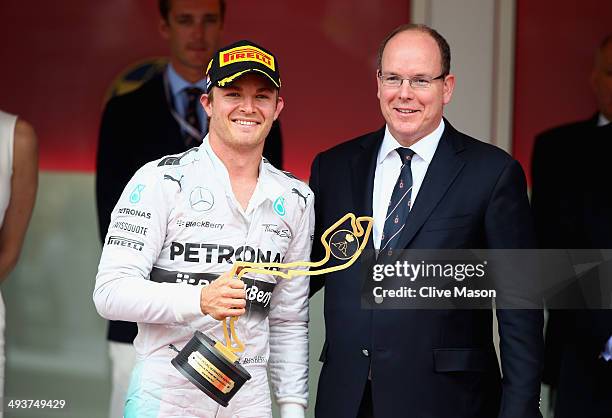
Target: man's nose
405,90
199,30
247,105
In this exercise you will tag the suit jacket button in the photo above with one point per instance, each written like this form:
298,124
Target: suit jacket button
365,352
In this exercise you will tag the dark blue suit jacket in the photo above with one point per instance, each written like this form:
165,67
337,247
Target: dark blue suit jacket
428,363
572,209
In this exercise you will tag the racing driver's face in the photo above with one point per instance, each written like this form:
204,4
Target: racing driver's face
241,114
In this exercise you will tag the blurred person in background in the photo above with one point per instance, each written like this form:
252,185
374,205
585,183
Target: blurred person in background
161,117
18,185
572,208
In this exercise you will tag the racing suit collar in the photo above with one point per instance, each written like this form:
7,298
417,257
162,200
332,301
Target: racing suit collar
267,186
268,182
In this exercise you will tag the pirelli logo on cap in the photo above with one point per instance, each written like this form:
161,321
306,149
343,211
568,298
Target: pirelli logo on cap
246,53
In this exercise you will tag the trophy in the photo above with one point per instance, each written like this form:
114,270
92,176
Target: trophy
214,367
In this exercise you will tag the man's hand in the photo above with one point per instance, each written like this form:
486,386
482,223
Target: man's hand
223,297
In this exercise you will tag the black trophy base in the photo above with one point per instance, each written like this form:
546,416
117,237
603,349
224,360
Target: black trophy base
209,369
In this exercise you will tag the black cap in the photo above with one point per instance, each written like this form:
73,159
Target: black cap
233,61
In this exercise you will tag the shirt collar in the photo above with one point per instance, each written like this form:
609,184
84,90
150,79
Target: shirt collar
218,167
425,148
269,183
602,120
178,83
267,187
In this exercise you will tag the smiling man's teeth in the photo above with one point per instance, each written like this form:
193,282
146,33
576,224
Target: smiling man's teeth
406,111
246,122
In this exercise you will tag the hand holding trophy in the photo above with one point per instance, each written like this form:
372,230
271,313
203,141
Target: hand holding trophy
224,297
214,367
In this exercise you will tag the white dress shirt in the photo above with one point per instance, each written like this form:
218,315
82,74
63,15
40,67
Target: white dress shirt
607,353
178,86
388,167
602,120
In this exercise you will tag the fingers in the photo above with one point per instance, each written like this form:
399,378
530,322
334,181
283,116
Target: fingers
221,314
233,293
235,283
232,303
228,307
224,297
226,280
231,288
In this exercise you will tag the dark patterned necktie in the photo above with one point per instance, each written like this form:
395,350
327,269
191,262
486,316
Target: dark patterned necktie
399,205
191,114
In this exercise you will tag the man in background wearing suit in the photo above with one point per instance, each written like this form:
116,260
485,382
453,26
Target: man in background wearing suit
465,194
572,208
162,117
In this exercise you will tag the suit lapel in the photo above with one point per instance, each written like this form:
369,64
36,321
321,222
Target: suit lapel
442,171
172,128
363,165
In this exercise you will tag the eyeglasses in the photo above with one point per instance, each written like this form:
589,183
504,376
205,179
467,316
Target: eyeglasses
417,83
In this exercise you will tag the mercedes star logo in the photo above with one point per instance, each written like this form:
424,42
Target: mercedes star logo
201,199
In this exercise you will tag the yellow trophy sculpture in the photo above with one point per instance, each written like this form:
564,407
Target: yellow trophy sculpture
214,367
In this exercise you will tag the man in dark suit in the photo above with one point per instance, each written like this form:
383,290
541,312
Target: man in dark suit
161,117
573,210
465,194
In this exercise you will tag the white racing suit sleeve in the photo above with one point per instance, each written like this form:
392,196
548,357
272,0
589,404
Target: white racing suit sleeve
289,322
135,238
292,410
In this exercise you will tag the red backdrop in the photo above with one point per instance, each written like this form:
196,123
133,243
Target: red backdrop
555,45
60,57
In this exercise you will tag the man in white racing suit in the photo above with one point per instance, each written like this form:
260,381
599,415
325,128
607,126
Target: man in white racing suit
180,224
